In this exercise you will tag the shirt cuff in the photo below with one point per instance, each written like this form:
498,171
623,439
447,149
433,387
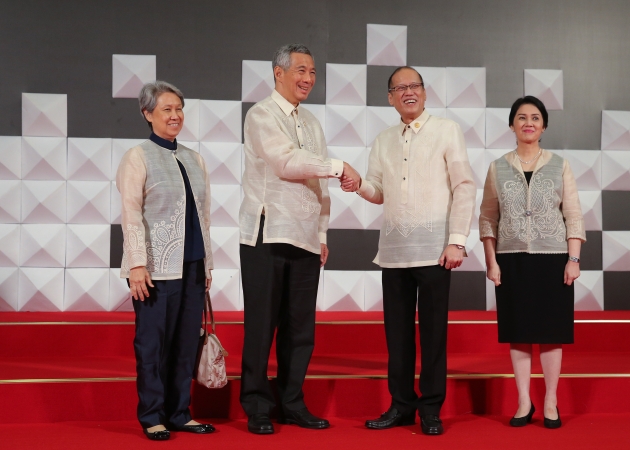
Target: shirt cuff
322,238
336,169
457,239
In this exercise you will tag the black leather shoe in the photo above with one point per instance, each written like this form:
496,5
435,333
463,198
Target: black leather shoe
304,419
522,421
162,435
431,424
259,424
391,418
202,428
553,423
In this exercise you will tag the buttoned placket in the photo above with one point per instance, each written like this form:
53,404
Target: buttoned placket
298,128
404,186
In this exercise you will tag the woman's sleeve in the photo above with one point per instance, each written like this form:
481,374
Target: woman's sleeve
489,214
130,180
571,209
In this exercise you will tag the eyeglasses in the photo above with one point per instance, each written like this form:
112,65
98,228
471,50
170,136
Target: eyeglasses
404,87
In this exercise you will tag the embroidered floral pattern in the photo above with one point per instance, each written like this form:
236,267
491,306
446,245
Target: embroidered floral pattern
165,251
310,201
407,220
310,142
542,220
133,247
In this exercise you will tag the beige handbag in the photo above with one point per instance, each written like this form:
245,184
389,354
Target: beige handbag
210,354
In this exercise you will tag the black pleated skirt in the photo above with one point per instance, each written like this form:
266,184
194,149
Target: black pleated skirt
534,306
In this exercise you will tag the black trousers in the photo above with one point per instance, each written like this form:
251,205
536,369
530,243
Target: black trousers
279,291
428,287
167,334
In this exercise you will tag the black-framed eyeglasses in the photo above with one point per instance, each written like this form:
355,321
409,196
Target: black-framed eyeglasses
404,87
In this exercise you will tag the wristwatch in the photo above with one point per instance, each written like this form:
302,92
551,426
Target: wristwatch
574,259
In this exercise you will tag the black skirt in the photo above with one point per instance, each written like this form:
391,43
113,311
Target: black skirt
534,306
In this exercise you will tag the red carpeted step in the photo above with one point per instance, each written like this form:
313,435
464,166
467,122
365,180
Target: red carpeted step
346,376
336,397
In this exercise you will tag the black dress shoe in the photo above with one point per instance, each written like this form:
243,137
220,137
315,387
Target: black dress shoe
431,424
522,421
553,423
162,435
259,424
202,428
304,419
391,418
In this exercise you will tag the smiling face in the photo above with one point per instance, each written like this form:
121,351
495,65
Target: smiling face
296,82
528,124
409,104
167,119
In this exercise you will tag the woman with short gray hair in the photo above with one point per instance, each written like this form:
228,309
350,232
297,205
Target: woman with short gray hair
165,193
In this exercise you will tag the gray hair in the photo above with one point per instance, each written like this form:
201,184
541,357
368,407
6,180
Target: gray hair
150,92
282,56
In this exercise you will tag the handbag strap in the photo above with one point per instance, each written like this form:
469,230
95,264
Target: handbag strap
207,308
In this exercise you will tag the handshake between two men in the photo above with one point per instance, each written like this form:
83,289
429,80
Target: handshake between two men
350,179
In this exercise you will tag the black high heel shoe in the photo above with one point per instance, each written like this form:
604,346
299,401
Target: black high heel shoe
553,423
522,421
162,435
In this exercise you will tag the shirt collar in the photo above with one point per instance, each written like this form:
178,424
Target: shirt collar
163,142
417,124
286,107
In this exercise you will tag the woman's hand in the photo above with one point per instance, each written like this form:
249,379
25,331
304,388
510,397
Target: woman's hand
208,282
139,278
494,274
571,272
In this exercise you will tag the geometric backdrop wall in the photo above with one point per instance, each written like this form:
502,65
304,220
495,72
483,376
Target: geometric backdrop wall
60,238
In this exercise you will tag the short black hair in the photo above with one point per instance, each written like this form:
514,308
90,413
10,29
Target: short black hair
529,100
398,69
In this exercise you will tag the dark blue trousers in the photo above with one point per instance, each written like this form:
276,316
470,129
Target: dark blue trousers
167,335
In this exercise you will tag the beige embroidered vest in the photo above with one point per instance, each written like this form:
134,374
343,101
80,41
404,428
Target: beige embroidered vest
530,216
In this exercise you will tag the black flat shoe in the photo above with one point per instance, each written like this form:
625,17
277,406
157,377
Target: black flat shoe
522,421
162,435
431,425
553,423
391,418
304,419
202,428
259,424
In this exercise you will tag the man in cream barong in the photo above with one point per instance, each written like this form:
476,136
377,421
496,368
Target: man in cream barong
419,171
283,221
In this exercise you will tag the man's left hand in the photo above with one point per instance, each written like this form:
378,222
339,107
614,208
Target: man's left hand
452,257
323,257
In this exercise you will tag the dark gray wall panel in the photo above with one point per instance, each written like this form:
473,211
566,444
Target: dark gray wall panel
468,291
591,251
616,295
352,249
616,210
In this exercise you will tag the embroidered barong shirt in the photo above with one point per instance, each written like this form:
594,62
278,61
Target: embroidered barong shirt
286,176
421,174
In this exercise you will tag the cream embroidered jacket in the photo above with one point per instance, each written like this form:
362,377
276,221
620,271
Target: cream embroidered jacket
534,218
286,176
153,208
421,175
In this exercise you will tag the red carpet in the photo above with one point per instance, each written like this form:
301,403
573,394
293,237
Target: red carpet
590,431
58,367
